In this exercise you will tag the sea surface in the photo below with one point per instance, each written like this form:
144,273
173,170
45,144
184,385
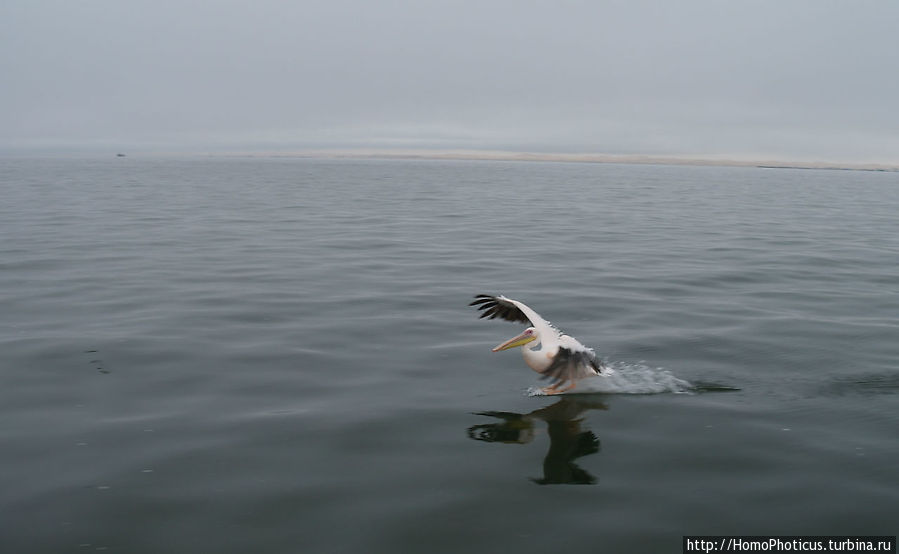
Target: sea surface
238,355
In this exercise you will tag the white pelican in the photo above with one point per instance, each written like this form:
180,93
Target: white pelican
560,357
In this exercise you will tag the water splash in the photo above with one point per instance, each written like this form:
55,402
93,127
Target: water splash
628,378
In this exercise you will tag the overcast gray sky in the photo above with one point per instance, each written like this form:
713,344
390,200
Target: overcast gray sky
809,79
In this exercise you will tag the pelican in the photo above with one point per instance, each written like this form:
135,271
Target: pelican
560,357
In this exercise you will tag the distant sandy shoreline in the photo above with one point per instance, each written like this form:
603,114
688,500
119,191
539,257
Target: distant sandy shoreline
496,155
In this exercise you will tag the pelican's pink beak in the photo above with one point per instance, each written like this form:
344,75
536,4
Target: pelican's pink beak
520,340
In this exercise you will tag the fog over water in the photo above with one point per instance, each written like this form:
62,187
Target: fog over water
805,80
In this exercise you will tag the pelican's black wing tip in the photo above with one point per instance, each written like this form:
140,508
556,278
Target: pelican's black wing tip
498,306
483,300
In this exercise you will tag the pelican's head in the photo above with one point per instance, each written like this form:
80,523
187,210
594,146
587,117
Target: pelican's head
530,334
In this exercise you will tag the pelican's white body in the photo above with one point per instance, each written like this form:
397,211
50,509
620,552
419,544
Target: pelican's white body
547,351
549,339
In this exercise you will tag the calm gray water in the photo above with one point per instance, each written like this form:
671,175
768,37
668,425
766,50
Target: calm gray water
276,355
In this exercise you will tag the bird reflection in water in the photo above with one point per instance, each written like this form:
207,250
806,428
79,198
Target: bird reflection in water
567,440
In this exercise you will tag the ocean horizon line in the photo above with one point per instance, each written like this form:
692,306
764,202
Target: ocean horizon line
461,154
527,156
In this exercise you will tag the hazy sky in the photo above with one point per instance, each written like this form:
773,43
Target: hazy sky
812,79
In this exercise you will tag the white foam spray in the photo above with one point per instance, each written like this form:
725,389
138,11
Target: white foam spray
628,378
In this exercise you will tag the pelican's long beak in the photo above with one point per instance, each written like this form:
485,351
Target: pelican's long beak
520,340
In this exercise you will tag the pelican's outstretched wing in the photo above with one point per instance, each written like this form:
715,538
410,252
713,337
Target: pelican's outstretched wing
492,307
519,312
